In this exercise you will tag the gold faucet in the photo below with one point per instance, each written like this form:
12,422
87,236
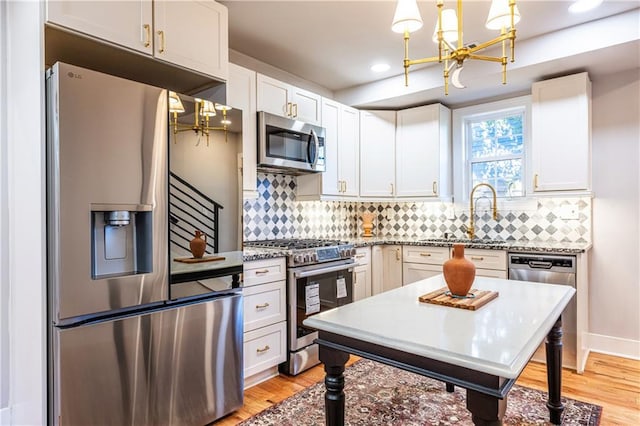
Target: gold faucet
470,230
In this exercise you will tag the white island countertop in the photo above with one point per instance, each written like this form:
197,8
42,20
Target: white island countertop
498,338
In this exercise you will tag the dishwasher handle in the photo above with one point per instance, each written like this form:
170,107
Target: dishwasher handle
536,264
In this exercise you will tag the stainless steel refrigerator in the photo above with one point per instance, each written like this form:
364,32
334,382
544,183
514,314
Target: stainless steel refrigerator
121,351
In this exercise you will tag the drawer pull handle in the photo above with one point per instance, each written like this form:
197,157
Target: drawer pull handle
360,256
264,305
266,348
262,272
425,254
477,258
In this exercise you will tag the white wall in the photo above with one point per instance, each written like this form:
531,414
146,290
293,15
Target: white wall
213,170
22,230
614,319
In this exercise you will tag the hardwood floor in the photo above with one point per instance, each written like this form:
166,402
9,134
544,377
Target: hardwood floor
612,382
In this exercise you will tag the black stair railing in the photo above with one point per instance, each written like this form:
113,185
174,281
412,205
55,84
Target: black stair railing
191,210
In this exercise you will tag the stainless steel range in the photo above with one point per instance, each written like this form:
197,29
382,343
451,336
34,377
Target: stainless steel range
319,278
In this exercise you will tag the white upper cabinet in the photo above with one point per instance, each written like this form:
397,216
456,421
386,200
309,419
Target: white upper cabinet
561,134
377,153
340,178
423,152
285,100
173,32
241,93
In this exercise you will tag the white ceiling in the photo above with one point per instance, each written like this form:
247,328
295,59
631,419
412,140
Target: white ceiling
334,43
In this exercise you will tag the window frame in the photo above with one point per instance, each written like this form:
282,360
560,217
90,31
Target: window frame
462,144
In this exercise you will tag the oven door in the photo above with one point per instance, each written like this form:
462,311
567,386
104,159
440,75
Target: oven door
314,289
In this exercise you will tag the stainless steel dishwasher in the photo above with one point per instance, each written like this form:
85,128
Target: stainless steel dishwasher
551,269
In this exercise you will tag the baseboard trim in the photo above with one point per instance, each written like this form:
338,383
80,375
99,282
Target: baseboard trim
625,348
260,377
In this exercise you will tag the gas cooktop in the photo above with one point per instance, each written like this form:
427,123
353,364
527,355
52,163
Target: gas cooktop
295,243
309,251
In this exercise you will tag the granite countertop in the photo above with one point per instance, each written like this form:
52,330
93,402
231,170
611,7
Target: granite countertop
510,245
257,253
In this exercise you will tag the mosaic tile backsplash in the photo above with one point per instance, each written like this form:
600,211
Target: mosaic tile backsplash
277,214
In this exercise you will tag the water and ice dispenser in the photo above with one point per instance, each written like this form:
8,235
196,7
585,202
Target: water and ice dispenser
121,240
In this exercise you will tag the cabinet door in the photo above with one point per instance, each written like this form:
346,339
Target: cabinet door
377,153
273,96
561,134
422,151
193,34
348,163
241,93
361,282
127,23
412,272
331,124
306,106
392,267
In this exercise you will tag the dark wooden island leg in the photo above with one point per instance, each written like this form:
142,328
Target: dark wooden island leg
554,372
334,362
486,410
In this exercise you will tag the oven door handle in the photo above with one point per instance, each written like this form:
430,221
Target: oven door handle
320,271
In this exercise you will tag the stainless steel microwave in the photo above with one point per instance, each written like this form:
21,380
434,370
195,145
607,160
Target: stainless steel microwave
289,146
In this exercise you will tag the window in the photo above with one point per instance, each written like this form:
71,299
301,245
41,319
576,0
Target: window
496,151
490,145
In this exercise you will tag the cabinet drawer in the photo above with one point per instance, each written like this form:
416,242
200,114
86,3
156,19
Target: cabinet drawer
491,273
412,272
487,259
424,254
264,348
363,255
264,305
264,271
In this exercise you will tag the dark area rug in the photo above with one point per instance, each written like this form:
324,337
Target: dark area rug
381,395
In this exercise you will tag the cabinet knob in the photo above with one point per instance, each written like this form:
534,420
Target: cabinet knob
392,189
535,181
262,306
294,110
435,188
425,254
477,258
262,272
289,109
266,348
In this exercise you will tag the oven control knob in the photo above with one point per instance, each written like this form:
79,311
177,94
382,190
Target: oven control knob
313,257
305,257
353,251
298,258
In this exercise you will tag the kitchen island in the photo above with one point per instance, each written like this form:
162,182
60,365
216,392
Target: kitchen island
483,351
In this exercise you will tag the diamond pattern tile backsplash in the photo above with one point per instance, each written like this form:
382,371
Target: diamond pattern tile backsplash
277,214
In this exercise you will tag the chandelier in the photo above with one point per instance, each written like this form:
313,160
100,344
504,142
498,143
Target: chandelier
503,15
203,111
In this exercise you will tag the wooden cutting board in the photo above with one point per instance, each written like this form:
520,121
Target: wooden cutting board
202,259
441,297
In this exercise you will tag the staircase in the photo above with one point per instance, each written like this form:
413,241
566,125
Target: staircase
190,210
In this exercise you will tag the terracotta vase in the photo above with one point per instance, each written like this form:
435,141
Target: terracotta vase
459,272
367,224
198,245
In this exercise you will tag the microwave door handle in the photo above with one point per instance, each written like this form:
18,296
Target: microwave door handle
316,143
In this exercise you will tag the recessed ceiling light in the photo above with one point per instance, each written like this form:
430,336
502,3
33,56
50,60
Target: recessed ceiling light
380,67
580,6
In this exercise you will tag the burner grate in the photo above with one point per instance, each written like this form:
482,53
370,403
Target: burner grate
294,244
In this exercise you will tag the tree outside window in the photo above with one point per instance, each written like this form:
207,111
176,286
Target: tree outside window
496,147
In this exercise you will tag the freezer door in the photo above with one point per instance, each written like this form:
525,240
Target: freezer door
107,178
176,366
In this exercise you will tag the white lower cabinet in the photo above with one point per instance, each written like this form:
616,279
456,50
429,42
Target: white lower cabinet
386,269
265,319
489,263
420,262
362,274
